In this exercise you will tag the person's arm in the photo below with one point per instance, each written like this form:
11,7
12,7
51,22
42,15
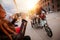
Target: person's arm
10,30
3,29
5,32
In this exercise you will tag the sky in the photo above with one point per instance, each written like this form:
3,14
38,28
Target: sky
22,5
9,6
25,5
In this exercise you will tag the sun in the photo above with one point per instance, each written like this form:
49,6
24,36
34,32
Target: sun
25,5
30,4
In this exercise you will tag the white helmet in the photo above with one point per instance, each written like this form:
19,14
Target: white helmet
43,12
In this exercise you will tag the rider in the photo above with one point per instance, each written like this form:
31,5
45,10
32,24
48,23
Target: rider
42,16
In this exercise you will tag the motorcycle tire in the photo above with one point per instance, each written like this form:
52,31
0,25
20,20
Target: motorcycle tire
49,32
26,38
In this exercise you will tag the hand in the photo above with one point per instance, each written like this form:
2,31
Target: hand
15,33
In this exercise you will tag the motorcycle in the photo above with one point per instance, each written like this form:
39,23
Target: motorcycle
37,22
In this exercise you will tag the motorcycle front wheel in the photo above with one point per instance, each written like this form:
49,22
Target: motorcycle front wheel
49,32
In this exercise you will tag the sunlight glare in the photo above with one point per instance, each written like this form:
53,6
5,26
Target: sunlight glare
25,5
31,4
